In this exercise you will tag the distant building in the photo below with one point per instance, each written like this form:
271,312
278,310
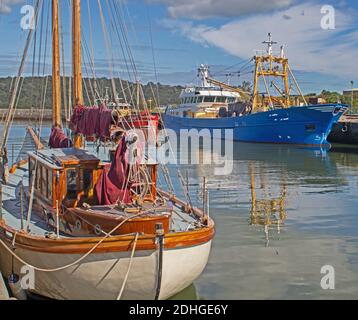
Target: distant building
316,100
348,93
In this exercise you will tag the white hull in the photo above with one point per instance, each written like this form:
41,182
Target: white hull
101,276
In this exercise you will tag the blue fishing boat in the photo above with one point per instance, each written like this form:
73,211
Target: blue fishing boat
256,116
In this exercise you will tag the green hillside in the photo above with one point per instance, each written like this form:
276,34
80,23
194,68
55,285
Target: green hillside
33,89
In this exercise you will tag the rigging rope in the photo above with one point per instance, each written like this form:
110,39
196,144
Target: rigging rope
78,260
12,106
129,268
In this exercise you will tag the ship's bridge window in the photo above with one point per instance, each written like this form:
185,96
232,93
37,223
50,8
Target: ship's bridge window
72,183
79,179
221,99
200,99
86,180
209,99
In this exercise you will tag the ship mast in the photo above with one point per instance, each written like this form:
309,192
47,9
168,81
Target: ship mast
277,66
77,62
76,58
56,76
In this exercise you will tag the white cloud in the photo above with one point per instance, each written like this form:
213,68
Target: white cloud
199,9
308,46
5,5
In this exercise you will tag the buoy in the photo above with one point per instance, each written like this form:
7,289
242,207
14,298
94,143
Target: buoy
15,285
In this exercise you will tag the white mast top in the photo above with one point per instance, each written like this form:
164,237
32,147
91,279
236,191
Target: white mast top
282,52
203,74
270,44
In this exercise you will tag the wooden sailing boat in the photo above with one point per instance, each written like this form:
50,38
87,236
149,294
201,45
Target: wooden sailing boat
150,248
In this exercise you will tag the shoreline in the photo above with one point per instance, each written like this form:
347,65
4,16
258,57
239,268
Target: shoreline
27,114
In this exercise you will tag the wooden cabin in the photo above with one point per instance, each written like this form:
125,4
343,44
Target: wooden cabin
65,180
69,176
63,175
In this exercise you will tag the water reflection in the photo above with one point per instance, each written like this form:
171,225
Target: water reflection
282,214
267,211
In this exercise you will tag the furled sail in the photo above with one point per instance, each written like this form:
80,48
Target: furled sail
58,139
113,186
92,121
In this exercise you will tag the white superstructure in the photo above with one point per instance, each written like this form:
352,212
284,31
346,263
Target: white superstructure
204,101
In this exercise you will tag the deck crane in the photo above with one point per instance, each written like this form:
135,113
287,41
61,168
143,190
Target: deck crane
246,96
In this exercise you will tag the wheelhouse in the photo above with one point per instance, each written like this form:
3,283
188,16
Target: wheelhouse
206,102
67,175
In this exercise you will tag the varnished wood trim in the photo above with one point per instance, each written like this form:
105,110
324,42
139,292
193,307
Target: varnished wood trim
114,244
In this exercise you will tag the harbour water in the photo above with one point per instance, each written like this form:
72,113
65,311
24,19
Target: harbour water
305,218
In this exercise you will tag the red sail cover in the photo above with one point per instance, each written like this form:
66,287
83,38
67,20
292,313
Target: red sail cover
58,139
112,185
92,121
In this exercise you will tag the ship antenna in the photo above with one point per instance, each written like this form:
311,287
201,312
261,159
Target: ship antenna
203,74
270,44
282,54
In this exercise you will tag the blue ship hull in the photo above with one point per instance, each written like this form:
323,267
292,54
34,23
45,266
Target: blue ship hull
308,125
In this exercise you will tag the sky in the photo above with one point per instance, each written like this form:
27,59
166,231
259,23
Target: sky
176,36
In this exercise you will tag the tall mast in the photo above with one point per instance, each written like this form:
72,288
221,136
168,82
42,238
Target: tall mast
270,65
77,62
56,76
77,59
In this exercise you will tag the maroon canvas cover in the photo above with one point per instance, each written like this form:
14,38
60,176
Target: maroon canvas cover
92,121
112,186
58,139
